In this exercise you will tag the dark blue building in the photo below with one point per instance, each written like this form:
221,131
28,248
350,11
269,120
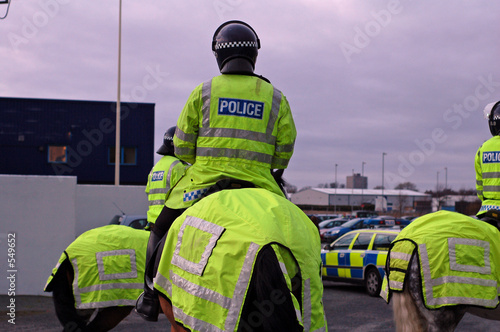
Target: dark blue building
74,137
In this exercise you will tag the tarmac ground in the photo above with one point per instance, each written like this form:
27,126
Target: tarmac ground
36,313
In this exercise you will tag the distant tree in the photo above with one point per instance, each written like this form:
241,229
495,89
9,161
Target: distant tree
379,187
406,185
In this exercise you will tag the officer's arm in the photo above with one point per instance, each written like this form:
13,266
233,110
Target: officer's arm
479,175
285,136
188,126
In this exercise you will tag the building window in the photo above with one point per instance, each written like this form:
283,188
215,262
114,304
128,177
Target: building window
57,154
128,156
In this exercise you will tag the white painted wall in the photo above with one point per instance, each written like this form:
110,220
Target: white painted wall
46,213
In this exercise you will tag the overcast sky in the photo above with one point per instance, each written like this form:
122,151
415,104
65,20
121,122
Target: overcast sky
408,78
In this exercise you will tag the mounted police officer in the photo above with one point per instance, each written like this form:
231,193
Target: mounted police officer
234,126
163,176
487,165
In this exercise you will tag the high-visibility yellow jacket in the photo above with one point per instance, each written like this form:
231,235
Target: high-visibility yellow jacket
108,264
487,165
233,126
163,176
211,249
458,257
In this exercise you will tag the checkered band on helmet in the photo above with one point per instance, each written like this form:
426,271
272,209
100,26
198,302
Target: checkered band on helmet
219,46
235,40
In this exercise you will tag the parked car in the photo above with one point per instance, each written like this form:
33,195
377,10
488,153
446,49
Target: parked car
327,225
363,214
386,221
336,232
322,217
358,257
134,221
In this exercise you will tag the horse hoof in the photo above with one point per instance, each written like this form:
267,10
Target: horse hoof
148,307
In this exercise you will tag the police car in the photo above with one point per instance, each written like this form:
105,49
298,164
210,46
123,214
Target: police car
359,257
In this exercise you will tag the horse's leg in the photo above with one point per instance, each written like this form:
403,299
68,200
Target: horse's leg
268,305
64,300
166,307
108,318
412,315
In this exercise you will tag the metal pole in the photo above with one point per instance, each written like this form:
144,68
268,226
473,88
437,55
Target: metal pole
335,196
118,110
362,180
383,155
445,178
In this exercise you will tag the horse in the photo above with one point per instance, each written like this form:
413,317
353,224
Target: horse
282,292
98,278
464,250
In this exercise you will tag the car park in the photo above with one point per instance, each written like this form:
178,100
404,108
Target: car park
134,221
386,221
359,257
334,233
327,225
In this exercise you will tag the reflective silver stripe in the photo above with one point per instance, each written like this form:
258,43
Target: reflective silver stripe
76,290
454,265
283,267
491,175
237,133
206,92
185,137
491,188
285,148
184,151
280,161
430,283
118,285
241,287
122,252
158,191
400,255
395,284
307,305
234,153
205,226
480,192
479,182
195,323
163,282
321,329
200,291
104,304
157,202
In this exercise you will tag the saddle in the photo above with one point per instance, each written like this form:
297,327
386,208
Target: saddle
491,217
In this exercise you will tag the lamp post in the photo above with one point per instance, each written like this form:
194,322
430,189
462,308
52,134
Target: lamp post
383,155
445,178
118,111
362,180
336,185
352,192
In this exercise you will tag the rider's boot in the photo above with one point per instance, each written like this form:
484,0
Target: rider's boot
148,305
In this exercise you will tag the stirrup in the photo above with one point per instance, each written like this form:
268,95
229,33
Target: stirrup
148,309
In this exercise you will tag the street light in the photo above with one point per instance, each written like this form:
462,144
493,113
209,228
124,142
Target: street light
383,155
335,196
445,178
118,111
362,180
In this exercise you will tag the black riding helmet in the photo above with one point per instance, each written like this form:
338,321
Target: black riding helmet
492,114
167,148
235,39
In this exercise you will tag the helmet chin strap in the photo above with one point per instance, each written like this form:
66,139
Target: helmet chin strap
237,66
